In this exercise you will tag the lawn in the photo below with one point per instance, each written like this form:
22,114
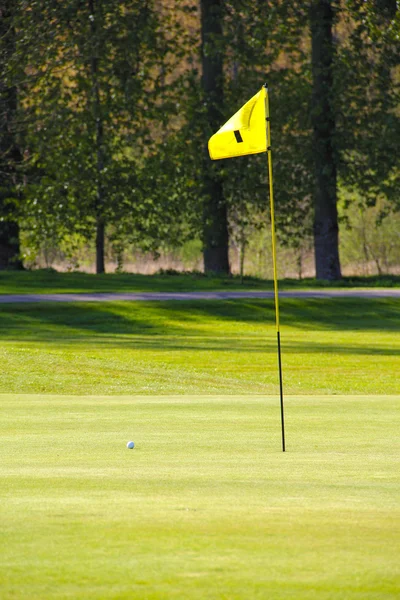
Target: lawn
206,505
50,281
337,346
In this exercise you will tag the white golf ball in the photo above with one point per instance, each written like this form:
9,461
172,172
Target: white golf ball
130,445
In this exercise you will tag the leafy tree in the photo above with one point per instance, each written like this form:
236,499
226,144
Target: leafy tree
355,112
118,101
368,100
10,153
99,73
266,44
252,43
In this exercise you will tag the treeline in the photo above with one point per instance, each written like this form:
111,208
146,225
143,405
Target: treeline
106,107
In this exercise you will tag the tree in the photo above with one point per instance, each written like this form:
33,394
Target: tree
95,103
368,99
119,100
10,154
326,228
215,210
253,42
355,112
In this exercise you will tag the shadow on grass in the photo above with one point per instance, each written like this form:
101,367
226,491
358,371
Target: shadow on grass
343,314
232,325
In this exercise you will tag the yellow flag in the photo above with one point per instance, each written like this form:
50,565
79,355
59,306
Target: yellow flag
244,133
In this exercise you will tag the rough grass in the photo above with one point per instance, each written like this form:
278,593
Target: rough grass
50,281
206,505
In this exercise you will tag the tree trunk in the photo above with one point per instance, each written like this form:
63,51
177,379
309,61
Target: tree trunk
99,138
9,245
242,250
10,155
100,237
215,211
326,229
9,227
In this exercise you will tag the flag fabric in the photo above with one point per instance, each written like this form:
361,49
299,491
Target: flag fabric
244,133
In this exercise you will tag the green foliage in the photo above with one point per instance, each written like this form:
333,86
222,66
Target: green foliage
368,99
111,124
96,96
259,44
370,238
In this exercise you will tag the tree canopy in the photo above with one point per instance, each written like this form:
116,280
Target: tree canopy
107,107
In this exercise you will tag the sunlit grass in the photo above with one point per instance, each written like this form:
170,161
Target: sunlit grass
328,346
206,505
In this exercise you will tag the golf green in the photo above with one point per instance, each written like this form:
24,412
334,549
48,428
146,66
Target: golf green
206,505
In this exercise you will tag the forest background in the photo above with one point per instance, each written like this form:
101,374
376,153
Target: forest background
106,107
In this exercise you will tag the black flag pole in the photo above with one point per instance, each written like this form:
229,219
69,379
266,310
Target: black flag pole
276,295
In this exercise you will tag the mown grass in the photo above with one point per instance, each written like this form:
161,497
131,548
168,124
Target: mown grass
50,281
206,347
206,505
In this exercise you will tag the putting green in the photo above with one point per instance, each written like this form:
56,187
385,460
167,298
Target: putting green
206,505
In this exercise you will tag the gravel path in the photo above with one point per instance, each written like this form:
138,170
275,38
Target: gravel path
112,297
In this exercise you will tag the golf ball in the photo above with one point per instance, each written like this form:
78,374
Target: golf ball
130,445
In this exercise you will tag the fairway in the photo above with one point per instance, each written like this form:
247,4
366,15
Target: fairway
206,505
329,346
